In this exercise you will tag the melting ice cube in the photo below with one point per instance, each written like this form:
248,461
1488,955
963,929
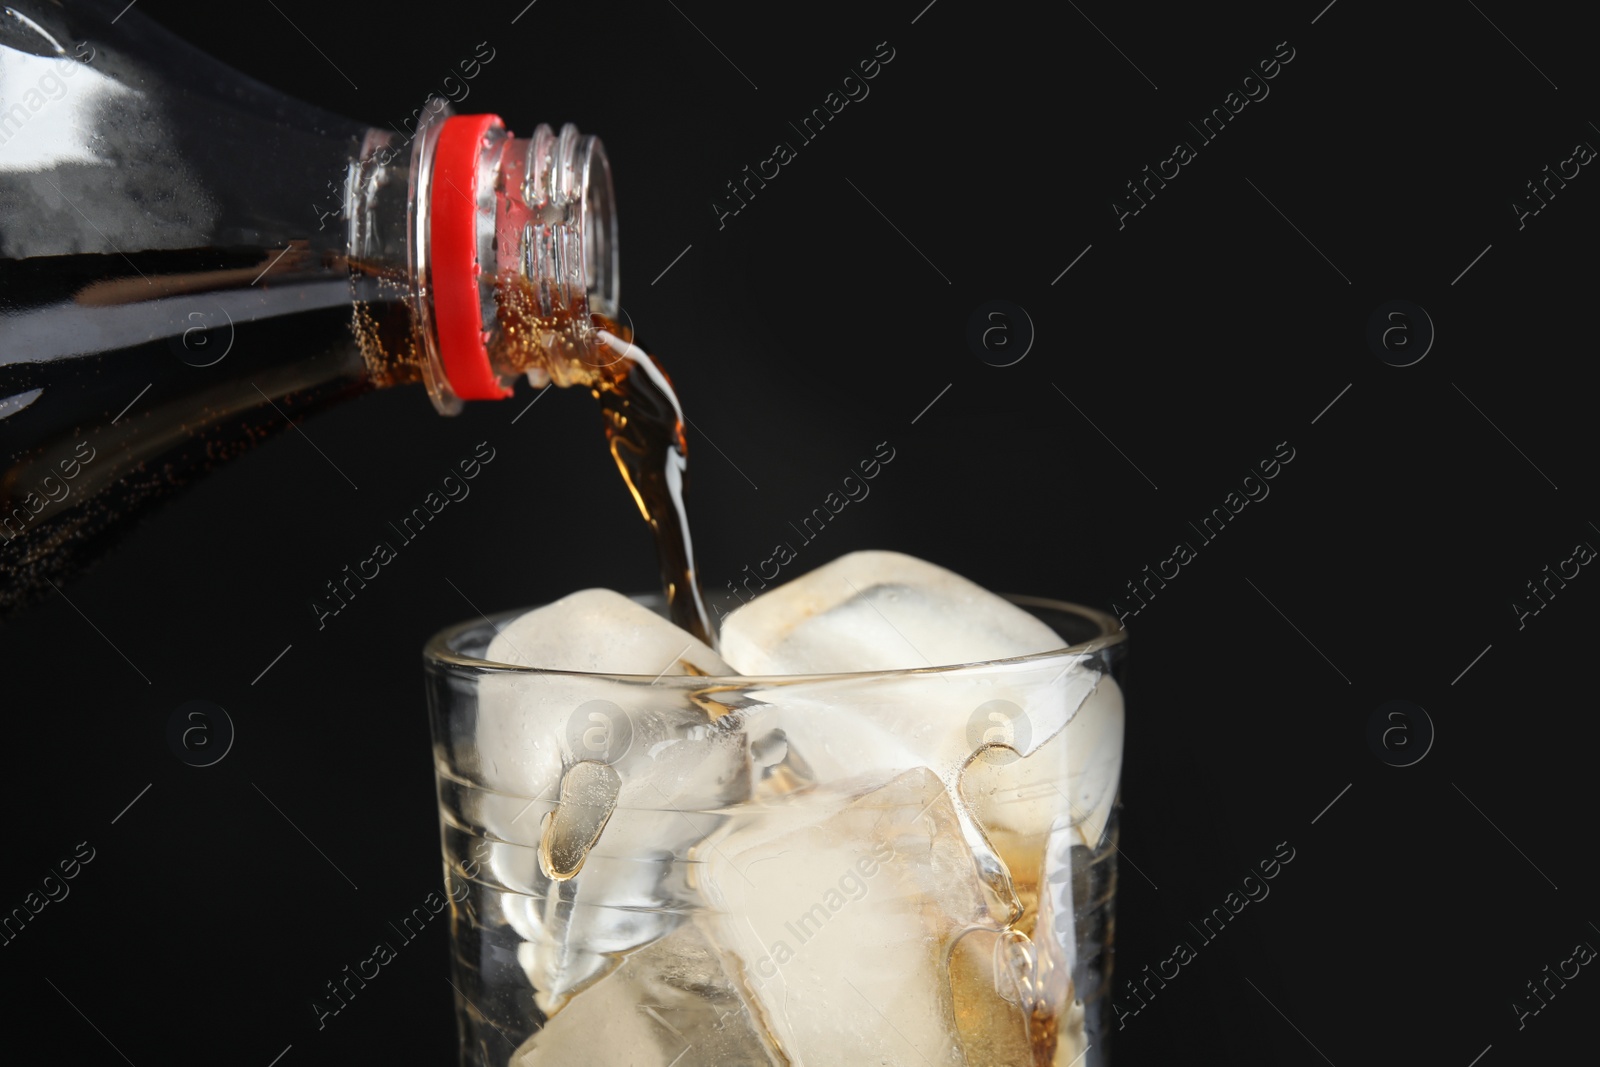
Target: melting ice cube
648,762
878,611
669,1004
839,908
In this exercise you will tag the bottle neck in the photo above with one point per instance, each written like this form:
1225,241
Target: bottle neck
503,249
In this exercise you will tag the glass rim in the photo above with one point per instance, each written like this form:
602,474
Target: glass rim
438,652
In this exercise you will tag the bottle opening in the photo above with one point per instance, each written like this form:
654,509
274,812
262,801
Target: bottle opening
519,255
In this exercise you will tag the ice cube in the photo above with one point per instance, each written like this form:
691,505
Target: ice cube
840,907
598,631
838,728
878,611
533,727
1094,761
883,611
1034,811
608,880
1071,780
669,1004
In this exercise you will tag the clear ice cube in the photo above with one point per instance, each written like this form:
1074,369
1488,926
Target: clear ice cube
669,1004
840,908
597,631
618,887
877,611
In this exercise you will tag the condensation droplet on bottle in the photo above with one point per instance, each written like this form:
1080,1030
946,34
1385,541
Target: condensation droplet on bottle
588,797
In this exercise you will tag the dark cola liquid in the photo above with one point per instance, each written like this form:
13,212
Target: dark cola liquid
644,426
644,422
124,378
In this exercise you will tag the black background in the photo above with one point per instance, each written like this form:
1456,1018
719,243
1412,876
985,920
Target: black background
822,320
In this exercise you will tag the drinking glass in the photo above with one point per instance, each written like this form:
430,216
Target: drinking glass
910,867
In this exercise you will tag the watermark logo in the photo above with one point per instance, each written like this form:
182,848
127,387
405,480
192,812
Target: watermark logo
852,88
200,733
205,337
50,491
1551,981
1400,333
1550,581
1000,333
851,886
1252,489
599,730
1399,733
342,988
453,488
1543,189
852,488
1144,985
52,888
999,731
